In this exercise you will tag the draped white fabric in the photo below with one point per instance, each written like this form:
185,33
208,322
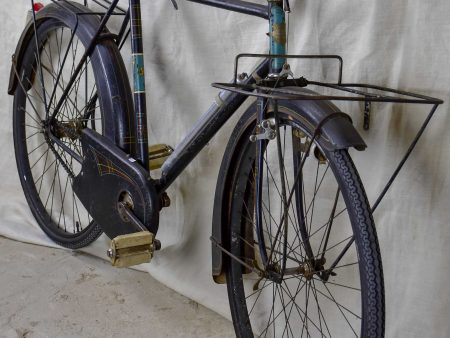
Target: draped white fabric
401,44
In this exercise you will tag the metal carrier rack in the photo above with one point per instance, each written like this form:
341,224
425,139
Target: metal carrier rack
279,87
78,10
107,5
274,88
105,9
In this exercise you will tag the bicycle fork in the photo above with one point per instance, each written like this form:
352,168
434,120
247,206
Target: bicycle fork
265,133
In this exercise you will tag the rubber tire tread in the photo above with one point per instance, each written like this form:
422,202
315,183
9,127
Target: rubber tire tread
107,50
365,236
369,249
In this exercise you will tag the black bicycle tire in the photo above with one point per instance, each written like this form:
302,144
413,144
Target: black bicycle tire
362,223
106,53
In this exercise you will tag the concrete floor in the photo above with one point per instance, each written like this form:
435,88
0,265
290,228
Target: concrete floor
47,292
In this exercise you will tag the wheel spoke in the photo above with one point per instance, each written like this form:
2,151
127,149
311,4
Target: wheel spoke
327,232
334,301
311,239
48,159
340,310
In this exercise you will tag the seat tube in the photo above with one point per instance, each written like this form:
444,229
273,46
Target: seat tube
277,29
140,108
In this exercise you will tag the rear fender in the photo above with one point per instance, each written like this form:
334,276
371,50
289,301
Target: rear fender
111,78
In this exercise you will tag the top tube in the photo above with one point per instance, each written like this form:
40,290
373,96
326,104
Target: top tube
239,6
273,12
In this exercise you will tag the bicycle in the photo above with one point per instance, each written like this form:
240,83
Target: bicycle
293,234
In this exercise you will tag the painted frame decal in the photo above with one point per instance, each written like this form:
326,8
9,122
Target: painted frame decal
138,73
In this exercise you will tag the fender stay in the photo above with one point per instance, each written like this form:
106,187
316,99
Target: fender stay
337,133
111,77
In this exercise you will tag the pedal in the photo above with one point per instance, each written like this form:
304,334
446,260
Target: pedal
132,249
157,155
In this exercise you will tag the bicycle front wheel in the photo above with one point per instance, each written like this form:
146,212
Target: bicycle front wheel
306,235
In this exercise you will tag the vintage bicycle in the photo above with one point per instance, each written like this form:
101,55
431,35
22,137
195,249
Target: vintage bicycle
292,232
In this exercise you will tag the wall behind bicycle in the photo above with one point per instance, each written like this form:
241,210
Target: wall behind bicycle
402,44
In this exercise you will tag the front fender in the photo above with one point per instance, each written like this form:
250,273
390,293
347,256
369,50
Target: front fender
336,133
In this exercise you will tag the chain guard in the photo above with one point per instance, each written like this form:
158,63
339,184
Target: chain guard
107,173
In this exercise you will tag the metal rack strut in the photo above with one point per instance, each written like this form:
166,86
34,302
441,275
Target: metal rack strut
280,88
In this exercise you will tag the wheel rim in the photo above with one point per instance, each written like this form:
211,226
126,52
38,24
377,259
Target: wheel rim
313,302
47,168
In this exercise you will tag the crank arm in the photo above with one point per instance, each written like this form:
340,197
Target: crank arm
128,216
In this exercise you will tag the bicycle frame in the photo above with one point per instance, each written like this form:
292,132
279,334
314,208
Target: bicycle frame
226,103
213,119
127,201
229,99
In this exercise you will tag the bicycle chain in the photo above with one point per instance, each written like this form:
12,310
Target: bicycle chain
63,163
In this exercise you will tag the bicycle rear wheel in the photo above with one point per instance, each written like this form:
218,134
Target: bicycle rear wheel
312,263
48,151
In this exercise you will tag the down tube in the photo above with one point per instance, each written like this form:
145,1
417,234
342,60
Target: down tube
208,125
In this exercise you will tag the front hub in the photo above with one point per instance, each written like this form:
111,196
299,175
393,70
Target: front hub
308,269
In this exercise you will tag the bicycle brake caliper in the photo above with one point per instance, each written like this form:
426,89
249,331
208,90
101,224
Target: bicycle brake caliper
269,132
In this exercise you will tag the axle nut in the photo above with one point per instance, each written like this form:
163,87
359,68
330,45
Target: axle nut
165,200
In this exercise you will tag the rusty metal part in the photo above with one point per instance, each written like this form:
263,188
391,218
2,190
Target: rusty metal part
71,129
125,202
126,198
279,33
253,268
307,269
319,155
157,155
305,146
165,200
241,77
298,133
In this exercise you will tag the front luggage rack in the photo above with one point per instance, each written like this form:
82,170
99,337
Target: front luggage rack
275,88
281,87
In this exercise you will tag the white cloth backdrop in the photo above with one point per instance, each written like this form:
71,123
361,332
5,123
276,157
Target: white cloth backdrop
402,43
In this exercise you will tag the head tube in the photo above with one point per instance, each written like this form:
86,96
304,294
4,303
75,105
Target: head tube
277,21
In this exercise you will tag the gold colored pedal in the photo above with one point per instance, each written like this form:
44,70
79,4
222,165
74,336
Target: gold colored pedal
157,155
132,249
